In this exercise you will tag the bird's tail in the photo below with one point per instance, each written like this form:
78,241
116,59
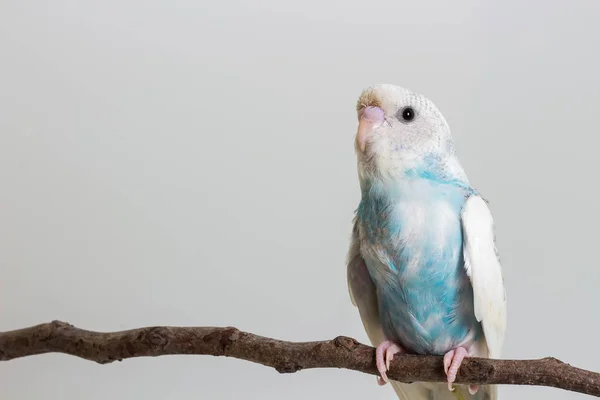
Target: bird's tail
439,391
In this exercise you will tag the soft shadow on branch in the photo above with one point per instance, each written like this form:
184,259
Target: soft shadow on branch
285,357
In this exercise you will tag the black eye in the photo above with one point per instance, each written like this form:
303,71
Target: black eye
407,114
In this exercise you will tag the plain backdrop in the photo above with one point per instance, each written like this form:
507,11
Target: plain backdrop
192,163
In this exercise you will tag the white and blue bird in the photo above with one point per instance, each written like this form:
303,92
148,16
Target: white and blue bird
423,268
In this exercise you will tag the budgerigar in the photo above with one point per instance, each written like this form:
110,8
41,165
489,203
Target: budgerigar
423,268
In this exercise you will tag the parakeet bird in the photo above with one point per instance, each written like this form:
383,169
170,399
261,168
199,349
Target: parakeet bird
423,268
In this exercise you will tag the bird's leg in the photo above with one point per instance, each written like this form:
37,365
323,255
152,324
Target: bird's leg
452,361
384,354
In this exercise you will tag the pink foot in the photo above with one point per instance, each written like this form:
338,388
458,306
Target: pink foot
384,354
452,361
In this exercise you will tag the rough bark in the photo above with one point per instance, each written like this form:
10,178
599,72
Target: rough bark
285,357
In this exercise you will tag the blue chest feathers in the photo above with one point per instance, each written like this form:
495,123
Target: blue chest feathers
411,240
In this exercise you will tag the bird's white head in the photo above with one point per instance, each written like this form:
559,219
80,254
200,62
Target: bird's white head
399,131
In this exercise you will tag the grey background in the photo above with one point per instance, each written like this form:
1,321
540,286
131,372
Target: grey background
192,163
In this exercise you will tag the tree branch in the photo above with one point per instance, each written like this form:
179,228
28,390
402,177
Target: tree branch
285,357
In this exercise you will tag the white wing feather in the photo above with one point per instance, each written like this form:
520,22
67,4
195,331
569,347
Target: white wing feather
484,269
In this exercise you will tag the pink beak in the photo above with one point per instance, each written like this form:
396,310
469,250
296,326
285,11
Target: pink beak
369,118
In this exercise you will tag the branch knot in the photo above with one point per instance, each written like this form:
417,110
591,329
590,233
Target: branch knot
288,368
346,342
228,337
156,337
